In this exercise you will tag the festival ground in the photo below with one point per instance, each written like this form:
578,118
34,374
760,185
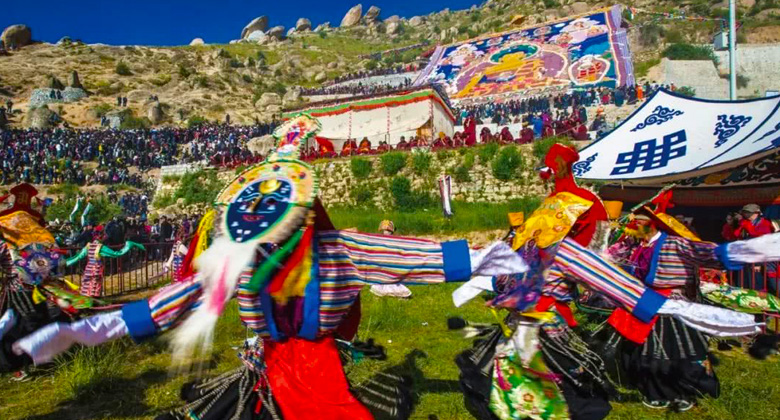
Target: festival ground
124,381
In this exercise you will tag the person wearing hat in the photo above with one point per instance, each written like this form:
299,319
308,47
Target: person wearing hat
670,366
752,224
387,228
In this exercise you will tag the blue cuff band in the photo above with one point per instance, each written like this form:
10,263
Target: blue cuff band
722,252
648,305
457,262
138,318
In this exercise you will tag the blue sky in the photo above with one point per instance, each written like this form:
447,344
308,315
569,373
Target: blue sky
177,22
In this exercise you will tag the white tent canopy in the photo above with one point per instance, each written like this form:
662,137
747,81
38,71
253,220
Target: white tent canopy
672,137
384,117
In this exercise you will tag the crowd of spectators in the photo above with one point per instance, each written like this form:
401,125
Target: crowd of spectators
357,89
224,145
120,229
57,156
384,71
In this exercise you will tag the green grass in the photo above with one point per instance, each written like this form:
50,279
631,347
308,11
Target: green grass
468,217
126,381
641,68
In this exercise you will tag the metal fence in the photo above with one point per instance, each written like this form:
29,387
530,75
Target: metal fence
134,271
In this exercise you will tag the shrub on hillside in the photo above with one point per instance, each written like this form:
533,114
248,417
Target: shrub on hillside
461,174
487,152
407,199
392,162
541,147
650,34
68,190
362,195
421,162
443,154
361,168
102,209
195,121
469,158
686,91
123,69
507,163
199,187
131,122
184,72
101,109
690,52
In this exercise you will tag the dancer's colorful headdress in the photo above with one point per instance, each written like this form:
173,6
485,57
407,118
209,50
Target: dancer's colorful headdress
264,207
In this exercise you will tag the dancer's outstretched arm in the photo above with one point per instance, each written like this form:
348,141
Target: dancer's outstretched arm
379,259
140,319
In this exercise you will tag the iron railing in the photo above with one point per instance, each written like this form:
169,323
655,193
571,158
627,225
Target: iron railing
135,271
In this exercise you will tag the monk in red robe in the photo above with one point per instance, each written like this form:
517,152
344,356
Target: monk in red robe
484,135
349,148
470,131
526,134
365,147
383,147
506,137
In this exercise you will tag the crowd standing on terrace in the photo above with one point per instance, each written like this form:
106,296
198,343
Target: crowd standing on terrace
59,155
384,71
357,89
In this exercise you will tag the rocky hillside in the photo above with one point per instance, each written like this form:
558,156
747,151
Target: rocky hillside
257,74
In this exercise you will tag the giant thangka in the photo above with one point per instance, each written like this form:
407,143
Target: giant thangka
673,137
589,50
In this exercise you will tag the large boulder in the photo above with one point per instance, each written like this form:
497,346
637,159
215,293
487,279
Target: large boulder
579,8
257,24
303,25
290,32
394,18
292,96
320,77
257,36
323,27
42,118
261,145
392,28
352,17
416,21
16,36
268,99
155,113
73,80
277,32
372,15
197,41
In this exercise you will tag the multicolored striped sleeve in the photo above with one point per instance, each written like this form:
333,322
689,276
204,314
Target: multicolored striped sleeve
585,266
160,312
359,258
678,260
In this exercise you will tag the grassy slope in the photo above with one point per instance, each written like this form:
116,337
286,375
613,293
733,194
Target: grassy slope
123,381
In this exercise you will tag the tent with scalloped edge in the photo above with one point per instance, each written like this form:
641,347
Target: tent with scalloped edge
672,138
383,117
